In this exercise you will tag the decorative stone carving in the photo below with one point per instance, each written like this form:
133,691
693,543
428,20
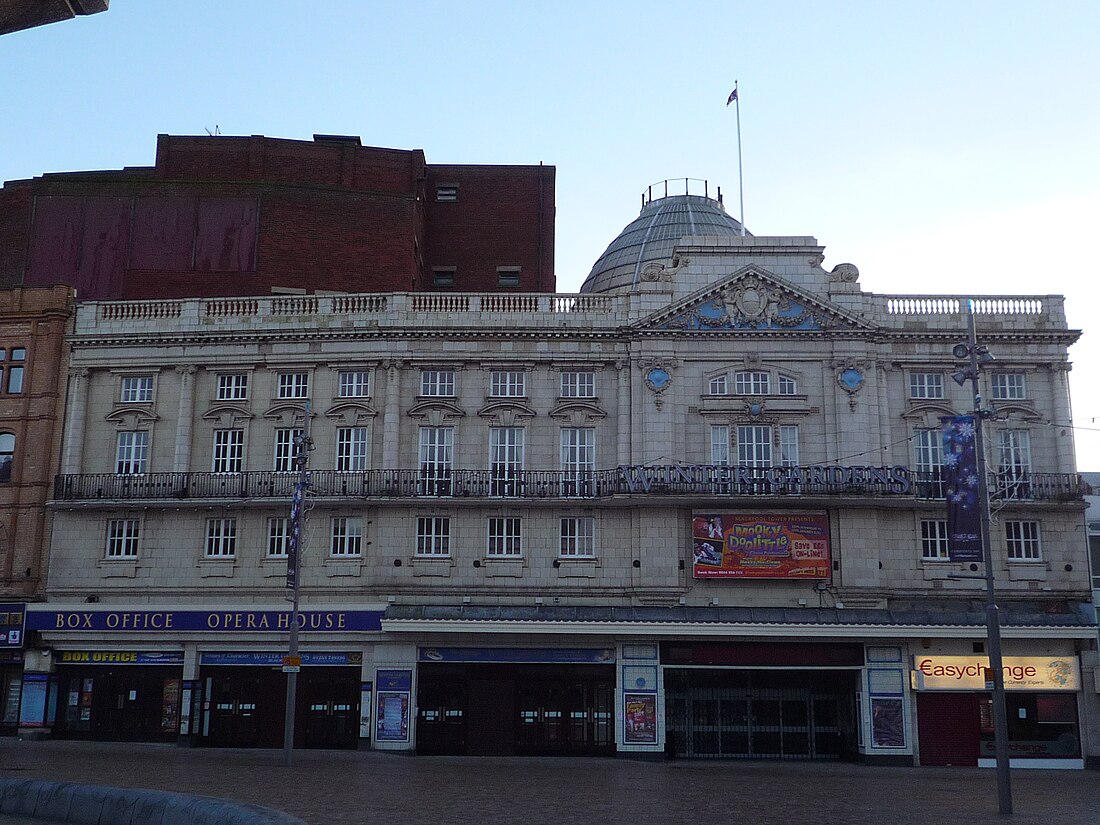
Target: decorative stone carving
656,272
658,376
845,273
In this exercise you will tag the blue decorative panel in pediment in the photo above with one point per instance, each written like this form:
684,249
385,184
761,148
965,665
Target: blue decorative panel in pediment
750,304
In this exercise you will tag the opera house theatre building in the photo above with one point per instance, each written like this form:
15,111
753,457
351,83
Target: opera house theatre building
696,510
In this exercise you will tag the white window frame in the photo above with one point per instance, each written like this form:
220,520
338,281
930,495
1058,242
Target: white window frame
933,540
293,385
123,536
228,453
232,386
577,537
754,445
719,385
353,384
437,383
926,385
578,384
286,447
352,449
278,537
506,456
436,460
131,452
507,384
927,451
578,461
751,382
221,538
433,536
1014,452
785,385
1023,541
788,445
1007,386
136,389
346,537
505,536
720,445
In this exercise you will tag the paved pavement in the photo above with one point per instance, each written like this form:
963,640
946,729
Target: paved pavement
345,787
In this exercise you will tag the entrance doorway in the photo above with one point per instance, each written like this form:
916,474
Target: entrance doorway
729,714
506,709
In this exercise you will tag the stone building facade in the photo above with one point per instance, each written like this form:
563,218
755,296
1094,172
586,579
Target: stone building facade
695,509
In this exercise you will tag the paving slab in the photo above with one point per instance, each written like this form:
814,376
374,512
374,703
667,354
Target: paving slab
354,788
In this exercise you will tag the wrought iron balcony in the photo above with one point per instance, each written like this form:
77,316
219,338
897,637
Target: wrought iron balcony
677,480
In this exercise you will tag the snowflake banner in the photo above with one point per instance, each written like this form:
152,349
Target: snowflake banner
960,477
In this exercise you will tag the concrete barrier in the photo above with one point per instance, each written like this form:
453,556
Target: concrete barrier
101,805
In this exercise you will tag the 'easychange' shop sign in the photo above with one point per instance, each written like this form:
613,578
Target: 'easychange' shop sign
1021,672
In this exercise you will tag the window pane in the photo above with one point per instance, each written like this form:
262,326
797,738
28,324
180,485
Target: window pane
578,384
132,452
355,384
433,536
233,387
15,380
137,389
351,449
294,385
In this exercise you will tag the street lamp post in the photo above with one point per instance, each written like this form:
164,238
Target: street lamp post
976,356
292,663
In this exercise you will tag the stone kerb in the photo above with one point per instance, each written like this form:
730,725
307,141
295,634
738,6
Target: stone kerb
101,805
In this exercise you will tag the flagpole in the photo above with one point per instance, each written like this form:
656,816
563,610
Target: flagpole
736,98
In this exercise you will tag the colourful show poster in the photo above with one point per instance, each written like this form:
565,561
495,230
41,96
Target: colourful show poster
761,546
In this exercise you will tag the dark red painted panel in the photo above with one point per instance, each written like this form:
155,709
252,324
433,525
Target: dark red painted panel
226,237
948,728
790,654
55,242
164,233
104,247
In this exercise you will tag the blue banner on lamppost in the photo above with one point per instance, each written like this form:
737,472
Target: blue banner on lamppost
960,475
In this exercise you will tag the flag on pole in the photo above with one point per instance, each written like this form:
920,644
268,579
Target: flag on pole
732,97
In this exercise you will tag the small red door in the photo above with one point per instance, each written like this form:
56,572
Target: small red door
948,725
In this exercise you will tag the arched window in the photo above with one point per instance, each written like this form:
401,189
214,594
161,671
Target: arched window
7,455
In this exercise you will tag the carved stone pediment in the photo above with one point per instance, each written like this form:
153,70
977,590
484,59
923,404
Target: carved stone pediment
436,412
227,415
132,417
1018,410
506,413
288,415
752,300
927,411
350,413
577,413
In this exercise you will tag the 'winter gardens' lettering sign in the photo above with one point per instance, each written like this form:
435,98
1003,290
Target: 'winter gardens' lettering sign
716,479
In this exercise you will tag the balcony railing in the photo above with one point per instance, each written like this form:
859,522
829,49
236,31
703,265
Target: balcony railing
693,480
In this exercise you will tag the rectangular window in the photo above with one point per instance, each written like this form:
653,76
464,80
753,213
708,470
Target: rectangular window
1014,463
787,385
1022,541
443,278
137,389
436,455
221,538
507,384
294,385
132,452
578,461
505,537
578,384
14,376
788,445
278,536
233,386
437,383
122,538
578,537
1008,386
508,276
752,382
354,384
926,385
927,451
228,451
433,536
505,460
933,540
351,449
720,445
446,192
347,536
754,445
286,447
719,385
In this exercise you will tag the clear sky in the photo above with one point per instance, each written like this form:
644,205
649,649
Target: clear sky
941,147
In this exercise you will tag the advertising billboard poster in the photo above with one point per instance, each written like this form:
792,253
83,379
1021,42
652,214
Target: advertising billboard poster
761,546
393,716
640,718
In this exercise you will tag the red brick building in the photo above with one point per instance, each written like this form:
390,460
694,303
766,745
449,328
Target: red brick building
255,215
